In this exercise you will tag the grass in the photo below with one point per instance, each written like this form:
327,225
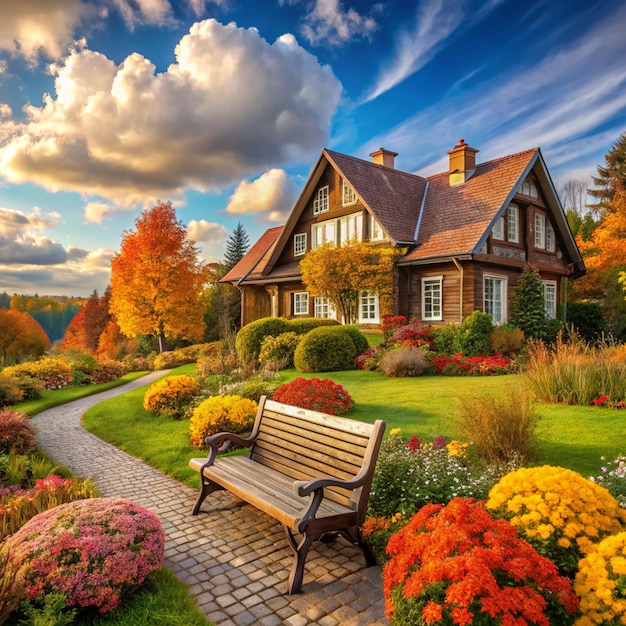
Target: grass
570,436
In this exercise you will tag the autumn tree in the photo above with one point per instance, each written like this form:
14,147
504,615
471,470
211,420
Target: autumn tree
236,246
342,273
21,337
83,332
157,278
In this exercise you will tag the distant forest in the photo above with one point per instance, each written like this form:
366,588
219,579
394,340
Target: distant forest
54,313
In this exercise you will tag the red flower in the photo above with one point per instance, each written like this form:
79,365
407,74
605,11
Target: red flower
414,443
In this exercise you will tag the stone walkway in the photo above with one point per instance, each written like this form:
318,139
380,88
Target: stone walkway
234,559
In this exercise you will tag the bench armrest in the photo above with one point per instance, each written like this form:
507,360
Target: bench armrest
221,442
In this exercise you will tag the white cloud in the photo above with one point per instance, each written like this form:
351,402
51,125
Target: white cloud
232,105
98,211
202,231
144,11
327,22
273,194
33,27
435,24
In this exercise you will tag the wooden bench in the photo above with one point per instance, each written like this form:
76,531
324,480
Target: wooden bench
310,471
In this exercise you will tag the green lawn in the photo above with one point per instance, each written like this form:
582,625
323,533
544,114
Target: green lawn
571,436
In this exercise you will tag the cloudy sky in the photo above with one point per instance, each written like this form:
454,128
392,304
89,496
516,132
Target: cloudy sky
223,106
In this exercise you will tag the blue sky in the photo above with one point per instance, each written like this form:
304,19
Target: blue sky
223,106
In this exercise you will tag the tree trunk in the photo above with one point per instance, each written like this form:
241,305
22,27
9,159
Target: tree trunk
162,344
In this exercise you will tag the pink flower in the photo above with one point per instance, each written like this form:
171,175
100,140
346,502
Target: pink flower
414,443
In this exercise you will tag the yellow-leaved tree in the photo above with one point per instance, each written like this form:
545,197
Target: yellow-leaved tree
157,279
342,273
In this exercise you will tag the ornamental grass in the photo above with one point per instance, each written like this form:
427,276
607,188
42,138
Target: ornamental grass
558,511
457,565
601,583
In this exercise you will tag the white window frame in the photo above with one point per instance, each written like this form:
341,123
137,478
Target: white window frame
320,203
323,308
323,233
497,232
512,223
369,310
338,231
376,230
550,238
348,195
528,188
350,228
540,231
497,307
432,298
301,303
549,298
299,244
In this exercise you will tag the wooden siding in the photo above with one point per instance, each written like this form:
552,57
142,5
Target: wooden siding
255,303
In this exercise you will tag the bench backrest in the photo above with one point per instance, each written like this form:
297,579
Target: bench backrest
306,444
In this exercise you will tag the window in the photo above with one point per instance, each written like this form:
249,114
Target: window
347,194
494,298
376,231
324,308
549,298
301,303
431,298
528,188
299,244
320,204
368,308
512,221
550,238
324,232
540,230
498,229
350,228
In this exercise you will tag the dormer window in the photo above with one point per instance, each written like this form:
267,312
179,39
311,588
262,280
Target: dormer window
320,204
348,196
528,188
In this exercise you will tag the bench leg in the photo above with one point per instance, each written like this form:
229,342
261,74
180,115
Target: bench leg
207,488
300,552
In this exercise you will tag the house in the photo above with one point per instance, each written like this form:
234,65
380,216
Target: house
464,236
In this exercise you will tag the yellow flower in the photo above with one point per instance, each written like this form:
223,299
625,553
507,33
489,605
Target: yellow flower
395,431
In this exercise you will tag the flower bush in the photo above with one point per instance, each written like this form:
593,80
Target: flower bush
369,359
601,583
613,478
455,564
107,371
54,373
558,511
317,394
230,413
391,323
16,432
415,334
277,352
171,395
459,365
18,506
91,551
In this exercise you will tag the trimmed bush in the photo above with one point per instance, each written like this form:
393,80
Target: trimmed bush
404,361
250,337
302,325
230,413
359,339
91,551
325,350
445,339
317,394
277,352
16,432
171,396
474,334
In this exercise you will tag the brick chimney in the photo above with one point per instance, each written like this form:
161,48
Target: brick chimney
462,162
384,157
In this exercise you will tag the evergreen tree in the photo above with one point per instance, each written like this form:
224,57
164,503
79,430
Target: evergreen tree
528,305
610,176
236,246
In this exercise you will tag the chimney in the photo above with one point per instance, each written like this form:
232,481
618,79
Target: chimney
384,157
462,162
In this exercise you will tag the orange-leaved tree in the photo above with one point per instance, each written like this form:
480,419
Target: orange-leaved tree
157,278
21,337
342,273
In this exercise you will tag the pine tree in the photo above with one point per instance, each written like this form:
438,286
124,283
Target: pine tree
528,306
236,246
610,176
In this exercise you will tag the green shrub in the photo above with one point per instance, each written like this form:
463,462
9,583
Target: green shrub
474,334
277,352
10,391
506,340
230,413
16,432
528,309
445,339
303,325
502,429
82,363
107,371
359,339
171,396
404,361
587,318
254,388
250,337
324,350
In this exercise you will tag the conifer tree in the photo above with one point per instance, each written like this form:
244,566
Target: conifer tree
528,304
236,247
610,176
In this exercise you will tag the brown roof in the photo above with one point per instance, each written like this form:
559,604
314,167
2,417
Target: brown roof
394,197
253,261
457,217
